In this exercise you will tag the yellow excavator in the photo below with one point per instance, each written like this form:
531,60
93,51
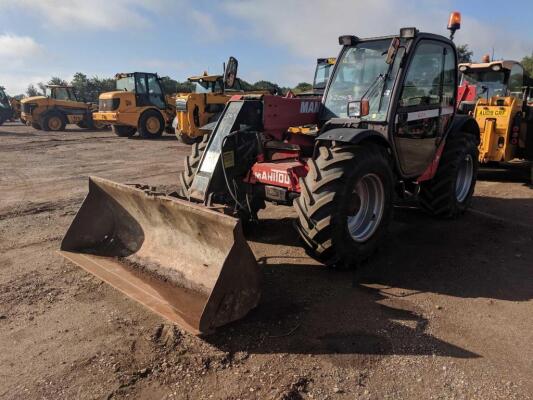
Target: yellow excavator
496,93
139,104
58,108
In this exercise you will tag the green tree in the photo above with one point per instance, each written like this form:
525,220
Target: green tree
527,62
169,85
57,81
302,87
267,85
80,82
32,91
464,54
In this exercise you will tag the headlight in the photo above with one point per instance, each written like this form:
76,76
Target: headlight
108,104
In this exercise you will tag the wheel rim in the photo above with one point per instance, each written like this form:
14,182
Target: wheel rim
464,179
54,123
367,207
153,125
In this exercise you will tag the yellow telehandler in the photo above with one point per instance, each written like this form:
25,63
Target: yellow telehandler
139,104
496,93
57,108
197,112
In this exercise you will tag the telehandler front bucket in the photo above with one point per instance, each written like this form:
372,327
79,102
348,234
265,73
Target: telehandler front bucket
185,262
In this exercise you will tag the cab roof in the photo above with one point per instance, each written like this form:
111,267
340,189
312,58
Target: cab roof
128,74
60,86
205,77
504,64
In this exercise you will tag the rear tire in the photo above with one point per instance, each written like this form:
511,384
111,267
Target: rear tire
151,124
345,204
124,130
450,191
54,122
191,165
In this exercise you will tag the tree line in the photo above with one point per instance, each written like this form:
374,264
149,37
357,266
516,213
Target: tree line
88,89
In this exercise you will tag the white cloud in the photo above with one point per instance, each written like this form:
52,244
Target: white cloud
70,15
310,28
14,49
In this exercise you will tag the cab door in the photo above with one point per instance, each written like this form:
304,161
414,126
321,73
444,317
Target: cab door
141,91
426,105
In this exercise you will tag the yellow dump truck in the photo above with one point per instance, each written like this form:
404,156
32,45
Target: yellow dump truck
498,99
57,108
138,104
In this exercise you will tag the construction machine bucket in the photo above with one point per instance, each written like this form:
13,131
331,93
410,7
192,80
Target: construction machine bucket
185,262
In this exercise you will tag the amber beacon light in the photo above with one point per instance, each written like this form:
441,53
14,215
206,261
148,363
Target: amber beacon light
454,23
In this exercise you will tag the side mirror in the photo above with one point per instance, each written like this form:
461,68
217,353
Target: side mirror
393,48
230,73
360,108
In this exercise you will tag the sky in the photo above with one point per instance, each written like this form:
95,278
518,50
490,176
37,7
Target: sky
276,40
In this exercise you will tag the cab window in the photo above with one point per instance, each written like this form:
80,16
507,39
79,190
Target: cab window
62,94
516,80
426,76
154,92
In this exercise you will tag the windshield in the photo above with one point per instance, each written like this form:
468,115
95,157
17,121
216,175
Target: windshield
202,86
126,83
322,75
488,83
359,68
60,93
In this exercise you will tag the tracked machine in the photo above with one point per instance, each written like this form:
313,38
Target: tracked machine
386,129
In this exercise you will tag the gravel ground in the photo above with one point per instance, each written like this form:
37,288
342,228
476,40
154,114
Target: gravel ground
443,311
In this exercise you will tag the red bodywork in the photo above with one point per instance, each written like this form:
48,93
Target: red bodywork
283,160
466,92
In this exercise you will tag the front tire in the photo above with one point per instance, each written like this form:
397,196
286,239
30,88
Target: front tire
54,122
450,191
345,204
191,165
124,130
151,125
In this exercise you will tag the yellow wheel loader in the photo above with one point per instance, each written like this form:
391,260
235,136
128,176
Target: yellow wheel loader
58,108
496,93
323,69
138,104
